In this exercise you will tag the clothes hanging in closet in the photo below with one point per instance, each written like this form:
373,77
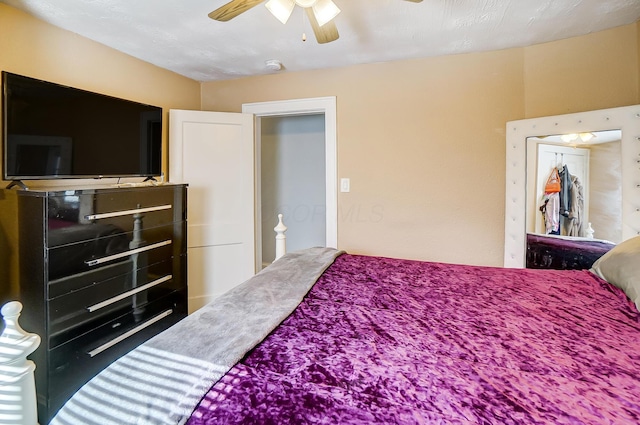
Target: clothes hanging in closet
573,222
565,191
551,213
550,207
563,211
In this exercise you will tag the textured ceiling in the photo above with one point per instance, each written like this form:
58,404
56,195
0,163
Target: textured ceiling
178,35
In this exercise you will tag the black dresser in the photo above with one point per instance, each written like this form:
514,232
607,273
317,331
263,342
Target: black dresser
99,271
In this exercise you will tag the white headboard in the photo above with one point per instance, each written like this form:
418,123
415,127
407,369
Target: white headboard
625,118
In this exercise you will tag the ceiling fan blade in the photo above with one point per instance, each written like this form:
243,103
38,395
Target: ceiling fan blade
232,9
324,34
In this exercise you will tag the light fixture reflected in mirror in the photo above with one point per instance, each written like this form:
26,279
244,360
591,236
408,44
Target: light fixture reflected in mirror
323,10
585,137
567,138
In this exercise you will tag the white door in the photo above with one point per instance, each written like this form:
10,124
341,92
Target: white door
213,153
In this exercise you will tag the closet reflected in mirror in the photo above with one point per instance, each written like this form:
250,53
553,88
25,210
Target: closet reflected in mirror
588,201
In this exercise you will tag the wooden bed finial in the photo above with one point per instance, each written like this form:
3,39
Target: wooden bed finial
281,239
17,382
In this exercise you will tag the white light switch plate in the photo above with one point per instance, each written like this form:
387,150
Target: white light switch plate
345,185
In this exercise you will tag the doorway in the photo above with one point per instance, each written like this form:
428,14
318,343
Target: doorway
292,181
304,112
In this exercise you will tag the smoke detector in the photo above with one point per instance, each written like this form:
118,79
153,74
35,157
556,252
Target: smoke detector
273,65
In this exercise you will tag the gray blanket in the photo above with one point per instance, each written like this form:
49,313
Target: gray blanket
161,381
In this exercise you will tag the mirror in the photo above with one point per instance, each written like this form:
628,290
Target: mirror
590,206
523,157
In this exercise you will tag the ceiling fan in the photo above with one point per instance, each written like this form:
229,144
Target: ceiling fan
319,12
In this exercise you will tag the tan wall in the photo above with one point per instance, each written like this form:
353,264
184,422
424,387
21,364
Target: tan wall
595,71
423,140
423,144
33,48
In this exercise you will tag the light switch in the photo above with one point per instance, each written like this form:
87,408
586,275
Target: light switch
345,185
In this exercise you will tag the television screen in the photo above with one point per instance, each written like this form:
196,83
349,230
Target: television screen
52,131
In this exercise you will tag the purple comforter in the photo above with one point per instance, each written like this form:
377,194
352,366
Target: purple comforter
386,341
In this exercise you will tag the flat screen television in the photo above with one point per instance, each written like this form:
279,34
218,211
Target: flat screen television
51,131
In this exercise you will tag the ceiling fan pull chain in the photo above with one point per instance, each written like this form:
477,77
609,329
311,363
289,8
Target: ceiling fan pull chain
304,34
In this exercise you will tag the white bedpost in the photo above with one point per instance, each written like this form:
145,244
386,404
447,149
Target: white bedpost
17,384
281,239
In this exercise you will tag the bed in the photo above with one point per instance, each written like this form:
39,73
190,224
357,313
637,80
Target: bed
564,252
324,336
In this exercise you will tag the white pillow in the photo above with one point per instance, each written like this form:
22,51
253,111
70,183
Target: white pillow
621,268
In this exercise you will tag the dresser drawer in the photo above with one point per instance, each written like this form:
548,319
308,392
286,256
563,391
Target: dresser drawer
120,208
114,333
152,245
74,363
77,282
96,303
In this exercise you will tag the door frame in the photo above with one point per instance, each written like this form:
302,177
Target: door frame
318,105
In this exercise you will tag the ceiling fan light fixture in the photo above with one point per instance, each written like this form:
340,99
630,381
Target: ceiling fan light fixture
324,11
281,9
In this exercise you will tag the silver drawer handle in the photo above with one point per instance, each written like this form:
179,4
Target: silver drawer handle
127,334
127,253
126,212
124,295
